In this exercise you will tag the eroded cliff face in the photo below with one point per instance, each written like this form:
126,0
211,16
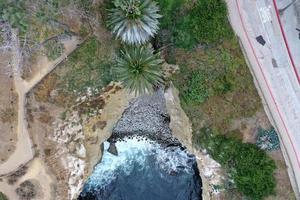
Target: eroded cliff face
210,171
140,116
78,140
143,139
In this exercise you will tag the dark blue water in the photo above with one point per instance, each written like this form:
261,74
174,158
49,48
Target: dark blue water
144,171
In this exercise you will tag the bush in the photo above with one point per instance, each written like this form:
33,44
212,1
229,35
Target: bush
26,190
3,196
250,167
213,76
197,89
208,21
54,49
15,14
204,83
212,84
204,22
90,68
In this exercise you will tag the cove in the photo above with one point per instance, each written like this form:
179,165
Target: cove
142,160
144,170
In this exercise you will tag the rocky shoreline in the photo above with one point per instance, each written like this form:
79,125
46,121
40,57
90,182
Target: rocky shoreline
122,116
146,116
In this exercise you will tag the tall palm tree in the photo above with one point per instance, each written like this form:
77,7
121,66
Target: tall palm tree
134,21
139,69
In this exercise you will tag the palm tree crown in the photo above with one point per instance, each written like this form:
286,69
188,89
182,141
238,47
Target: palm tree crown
134,21
139,69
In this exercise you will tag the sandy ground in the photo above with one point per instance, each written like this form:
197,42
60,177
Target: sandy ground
24,151
37,173
8,109
96,130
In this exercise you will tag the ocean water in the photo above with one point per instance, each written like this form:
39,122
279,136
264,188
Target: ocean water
143,170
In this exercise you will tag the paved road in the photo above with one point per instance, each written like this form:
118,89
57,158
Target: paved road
289,18
274,72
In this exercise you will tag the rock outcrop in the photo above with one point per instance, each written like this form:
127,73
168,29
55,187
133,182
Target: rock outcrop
210,171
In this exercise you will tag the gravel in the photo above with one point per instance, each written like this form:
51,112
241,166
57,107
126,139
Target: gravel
146,117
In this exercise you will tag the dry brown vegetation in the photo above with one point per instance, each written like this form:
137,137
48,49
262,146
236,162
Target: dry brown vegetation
8,115
44,89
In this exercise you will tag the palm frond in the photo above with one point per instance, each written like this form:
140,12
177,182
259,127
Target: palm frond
134,21
139,69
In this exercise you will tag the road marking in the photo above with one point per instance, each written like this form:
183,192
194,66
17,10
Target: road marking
265,17
265,14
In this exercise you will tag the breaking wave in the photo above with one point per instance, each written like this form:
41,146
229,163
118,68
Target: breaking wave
144,170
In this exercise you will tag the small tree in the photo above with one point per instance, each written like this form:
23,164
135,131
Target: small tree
134,21
3,196
139,69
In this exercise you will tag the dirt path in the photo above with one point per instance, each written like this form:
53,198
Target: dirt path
24,151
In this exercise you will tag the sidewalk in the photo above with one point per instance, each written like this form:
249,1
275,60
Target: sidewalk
277,82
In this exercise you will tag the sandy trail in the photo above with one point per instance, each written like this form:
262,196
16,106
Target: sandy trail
24,152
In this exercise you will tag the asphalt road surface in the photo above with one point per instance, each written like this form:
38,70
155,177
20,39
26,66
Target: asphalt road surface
275,66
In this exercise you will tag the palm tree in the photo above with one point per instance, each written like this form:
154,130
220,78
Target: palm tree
139,69
134,21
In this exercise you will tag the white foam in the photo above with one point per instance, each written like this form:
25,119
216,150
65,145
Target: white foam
135,151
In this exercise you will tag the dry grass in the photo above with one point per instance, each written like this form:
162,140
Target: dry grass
43,90
8,115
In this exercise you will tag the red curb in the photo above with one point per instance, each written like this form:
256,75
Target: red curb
286,42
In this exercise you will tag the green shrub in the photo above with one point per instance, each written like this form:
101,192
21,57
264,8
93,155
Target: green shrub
205,21
208,21
214,75
250,167
204,83
54,49
171,10
3,196
15,14
197,89
212,84
90,67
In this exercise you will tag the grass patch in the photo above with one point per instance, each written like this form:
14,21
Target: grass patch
215,85
54,49
14,13
89,68
189,23
3,196
251,169
215,88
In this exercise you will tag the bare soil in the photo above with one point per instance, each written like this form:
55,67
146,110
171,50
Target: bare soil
8,109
